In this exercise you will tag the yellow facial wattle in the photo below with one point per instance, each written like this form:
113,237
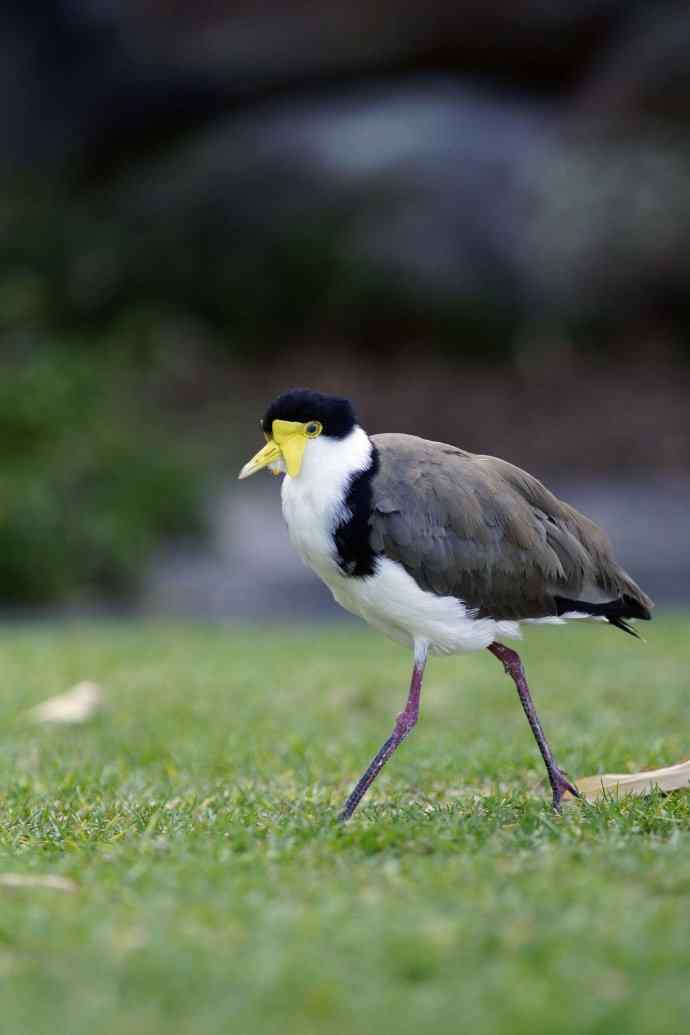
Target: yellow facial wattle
288,441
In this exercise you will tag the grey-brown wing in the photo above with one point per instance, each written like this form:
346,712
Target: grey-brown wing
480,529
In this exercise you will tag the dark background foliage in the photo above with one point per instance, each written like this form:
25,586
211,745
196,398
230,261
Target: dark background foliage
474,219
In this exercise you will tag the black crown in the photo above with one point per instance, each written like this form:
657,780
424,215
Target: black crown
302,404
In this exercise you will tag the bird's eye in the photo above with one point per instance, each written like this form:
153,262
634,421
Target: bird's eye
313,429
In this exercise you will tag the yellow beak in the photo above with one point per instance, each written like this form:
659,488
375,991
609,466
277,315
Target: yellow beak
288,442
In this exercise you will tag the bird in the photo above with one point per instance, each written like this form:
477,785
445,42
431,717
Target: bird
443,550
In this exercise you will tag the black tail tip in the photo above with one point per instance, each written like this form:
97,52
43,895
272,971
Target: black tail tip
617,612
620,623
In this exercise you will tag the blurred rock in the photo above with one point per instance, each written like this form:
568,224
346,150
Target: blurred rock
424,185
447,194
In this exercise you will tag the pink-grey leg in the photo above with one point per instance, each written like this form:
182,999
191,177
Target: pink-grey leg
513,666
404,723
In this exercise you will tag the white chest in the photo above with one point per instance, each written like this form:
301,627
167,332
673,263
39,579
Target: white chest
311,520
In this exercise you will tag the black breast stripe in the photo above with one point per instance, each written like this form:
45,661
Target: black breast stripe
352,537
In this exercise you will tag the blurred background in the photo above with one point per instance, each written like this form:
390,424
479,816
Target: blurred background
473,218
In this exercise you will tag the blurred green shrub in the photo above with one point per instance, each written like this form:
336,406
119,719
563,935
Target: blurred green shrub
90,481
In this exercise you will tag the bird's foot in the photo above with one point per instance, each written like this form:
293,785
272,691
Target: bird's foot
559,785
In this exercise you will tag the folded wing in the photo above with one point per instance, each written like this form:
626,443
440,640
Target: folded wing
480,529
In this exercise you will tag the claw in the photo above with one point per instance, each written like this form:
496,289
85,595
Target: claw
560,784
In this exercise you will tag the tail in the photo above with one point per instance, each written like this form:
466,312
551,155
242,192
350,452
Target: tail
629,605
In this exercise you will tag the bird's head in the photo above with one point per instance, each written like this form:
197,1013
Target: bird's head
292,421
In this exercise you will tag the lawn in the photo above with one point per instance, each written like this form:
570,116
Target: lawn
215,892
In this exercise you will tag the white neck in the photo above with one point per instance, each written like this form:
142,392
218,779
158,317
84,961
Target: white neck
331,462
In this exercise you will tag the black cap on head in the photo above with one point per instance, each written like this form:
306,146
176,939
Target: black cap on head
301,404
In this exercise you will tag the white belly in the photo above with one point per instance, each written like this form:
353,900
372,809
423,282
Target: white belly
392,602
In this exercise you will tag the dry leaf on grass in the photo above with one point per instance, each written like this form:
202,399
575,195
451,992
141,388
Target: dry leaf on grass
76,705
615,785
27,881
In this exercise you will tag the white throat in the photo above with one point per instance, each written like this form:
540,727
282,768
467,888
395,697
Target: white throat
314,501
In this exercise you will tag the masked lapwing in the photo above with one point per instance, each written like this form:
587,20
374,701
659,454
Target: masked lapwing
443,550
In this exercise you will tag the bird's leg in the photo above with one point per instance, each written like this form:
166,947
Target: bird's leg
403,725
513,666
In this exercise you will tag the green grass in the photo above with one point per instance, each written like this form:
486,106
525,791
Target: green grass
216,893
